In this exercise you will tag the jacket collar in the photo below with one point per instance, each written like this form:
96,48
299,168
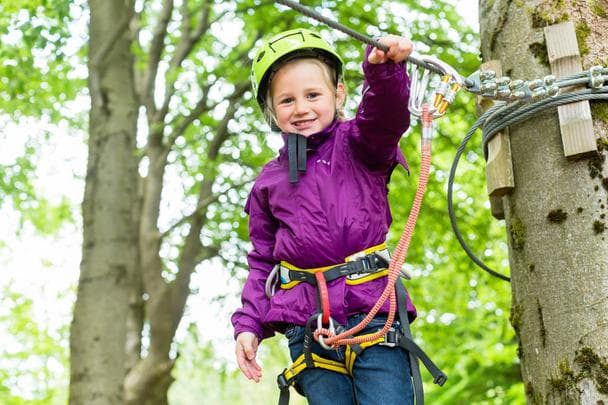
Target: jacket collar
313,141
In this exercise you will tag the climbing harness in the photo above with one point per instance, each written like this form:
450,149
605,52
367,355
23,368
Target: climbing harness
358,268
367,264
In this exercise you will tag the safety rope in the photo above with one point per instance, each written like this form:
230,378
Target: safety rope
326,336
323,296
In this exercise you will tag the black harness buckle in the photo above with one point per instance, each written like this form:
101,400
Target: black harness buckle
366,264
391,339
282,382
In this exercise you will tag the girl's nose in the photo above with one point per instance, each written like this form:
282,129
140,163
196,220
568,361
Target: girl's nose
301,106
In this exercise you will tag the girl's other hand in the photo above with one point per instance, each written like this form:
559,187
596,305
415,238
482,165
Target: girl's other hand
399,48
246,350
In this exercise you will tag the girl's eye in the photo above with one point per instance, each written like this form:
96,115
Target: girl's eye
313,95
286,100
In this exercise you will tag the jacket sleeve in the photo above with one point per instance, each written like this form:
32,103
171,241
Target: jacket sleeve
255,303
383,114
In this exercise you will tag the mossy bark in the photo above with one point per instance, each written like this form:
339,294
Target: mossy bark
559,268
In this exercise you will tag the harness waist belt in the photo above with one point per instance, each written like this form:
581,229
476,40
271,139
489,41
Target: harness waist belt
367,265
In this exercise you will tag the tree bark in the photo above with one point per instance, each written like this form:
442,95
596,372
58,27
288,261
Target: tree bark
109,255
556,215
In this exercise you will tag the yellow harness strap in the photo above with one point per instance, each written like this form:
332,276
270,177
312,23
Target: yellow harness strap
350,356
319,362
381,249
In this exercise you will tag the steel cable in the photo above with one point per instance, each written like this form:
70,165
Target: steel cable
492,122
350,32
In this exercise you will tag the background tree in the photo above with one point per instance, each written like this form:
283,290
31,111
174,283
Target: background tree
559,268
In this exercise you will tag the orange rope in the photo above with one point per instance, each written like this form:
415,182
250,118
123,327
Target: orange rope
397,260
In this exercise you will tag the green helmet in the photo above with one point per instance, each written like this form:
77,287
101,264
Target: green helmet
287,45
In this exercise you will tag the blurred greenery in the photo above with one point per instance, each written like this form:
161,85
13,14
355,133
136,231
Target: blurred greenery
462,312
33,355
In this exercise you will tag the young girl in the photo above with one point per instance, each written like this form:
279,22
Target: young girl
323,202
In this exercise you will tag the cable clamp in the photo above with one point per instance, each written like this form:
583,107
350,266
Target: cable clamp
596,80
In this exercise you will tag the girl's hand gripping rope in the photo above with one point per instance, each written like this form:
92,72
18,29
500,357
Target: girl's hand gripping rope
399,48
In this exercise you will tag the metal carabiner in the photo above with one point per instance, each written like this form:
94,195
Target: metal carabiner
271,281
444,93
332,331
418,89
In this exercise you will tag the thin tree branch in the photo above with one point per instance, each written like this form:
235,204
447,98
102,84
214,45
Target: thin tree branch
186,44
202,205
157,46
139,79
203,23
207,252
200,108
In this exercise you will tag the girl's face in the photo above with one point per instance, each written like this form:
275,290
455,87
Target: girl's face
303,99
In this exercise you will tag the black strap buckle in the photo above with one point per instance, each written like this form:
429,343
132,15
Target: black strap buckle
366,263
391,339
282,381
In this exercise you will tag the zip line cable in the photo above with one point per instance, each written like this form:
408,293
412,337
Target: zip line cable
513,108
352,33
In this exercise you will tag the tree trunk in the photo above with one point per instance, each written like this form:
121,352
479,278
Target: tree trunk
109,255
556,215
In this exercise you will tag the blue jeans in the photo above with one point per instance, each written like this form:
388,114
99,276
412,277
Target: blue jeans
381,374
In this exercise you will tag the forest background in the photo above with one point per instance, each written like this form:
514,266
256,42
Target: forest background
463,317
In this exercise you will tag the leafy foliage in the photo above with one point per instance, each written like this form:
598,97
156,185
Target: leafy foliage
37,79
36,73
17,188
219,382
33,369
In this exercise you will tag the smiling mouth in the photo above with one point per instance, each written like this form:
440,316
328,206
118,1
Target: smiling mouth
303,123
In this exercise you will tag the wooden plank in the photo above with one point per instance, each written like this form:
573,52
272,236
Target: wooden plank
497,207
499,165
575,120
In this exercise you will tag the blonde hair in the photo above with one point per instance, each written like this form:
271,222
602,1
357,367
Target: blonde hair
328,75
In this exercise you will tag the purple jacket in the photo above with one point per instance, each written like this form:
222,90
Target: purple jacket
338,207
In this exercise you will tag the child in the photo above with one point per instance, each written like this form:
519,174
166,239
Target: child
321,201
